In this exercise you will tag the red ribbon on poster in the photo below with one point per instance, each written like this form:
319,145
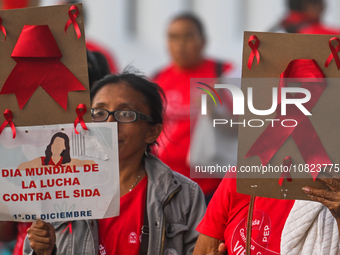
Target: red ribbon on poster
72,20
2,29
38,64
8,121
334,53
287,162
81,110
304,135
254,52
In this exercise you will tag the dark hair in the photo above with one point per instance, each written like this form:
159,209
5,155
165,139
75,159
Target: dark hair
97,66
65,153
153,93
299,5
72,1
295,5
194,19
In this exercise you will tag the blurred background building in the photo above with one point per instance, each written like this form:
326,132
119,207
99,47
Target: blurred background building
135,30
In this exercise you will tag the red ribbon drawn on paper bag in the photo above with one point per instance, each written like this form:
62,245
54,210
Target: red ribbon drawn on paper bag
2,29
38,64
304,134
8,121
334,53
73,20
81,110
254,52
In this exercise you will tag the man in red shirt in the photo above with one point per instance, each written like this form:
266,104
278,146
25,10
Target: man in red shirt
304,17
186,42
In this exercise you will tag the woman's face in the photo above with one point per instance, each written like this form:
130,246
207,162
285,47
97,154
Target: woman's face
132,137
185,43
58,146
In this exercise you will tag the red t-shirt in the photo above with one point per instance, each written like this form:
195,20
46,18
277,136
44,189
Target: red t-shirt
51,162
298,22
226,219
122,234
10,4
174,141
22,233
319,29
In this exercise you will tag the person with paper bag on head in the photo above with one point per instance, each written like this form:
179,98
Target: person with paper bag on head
160,208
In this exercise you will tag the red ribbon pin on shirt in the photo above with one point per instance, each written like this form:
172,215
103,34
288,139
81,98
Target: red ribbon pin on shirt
334,53
8,121
2,28
73,21
69,226
81,110
254,52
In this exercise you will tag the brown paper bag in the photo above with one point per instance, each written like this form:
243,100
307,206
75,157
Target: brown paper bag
276,51
41,108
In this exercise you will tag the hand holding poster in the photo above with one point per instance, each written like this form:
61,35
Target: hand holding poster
50,173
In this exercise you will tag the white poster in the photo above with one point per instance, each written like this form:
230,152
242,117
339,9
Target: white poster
52,173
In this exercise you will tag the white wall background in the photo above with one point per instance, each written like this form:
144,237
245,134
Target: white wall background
135,30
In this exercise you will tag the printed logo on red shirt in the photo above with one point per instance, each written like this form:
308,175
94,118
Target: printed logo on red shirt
133,238
261,228
102,250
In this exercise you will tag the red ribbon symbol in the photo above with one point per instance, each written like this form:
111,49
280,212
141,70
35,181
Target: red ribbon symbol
2,29
334,53
254,52
38,64
81,110
304,135
69,226
72,20
287,162
8,116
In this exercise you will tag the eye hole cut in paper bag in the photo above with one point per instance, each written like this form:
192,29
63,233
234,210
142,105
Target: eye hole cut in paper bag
43,65
311,141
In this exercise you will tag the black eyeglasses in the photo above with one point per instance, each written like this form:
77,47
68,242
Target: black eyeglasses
123,116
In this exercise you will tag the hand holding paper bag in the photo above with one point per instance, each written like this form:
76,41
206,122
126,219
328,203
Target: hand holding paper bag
329,198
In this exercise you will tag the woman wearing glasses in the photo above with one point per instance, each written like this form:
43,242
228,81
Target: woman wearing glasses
160,209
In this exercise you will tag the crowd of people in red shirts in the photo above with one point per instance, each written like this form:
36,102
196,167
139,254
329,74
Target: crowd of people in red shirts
224,225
